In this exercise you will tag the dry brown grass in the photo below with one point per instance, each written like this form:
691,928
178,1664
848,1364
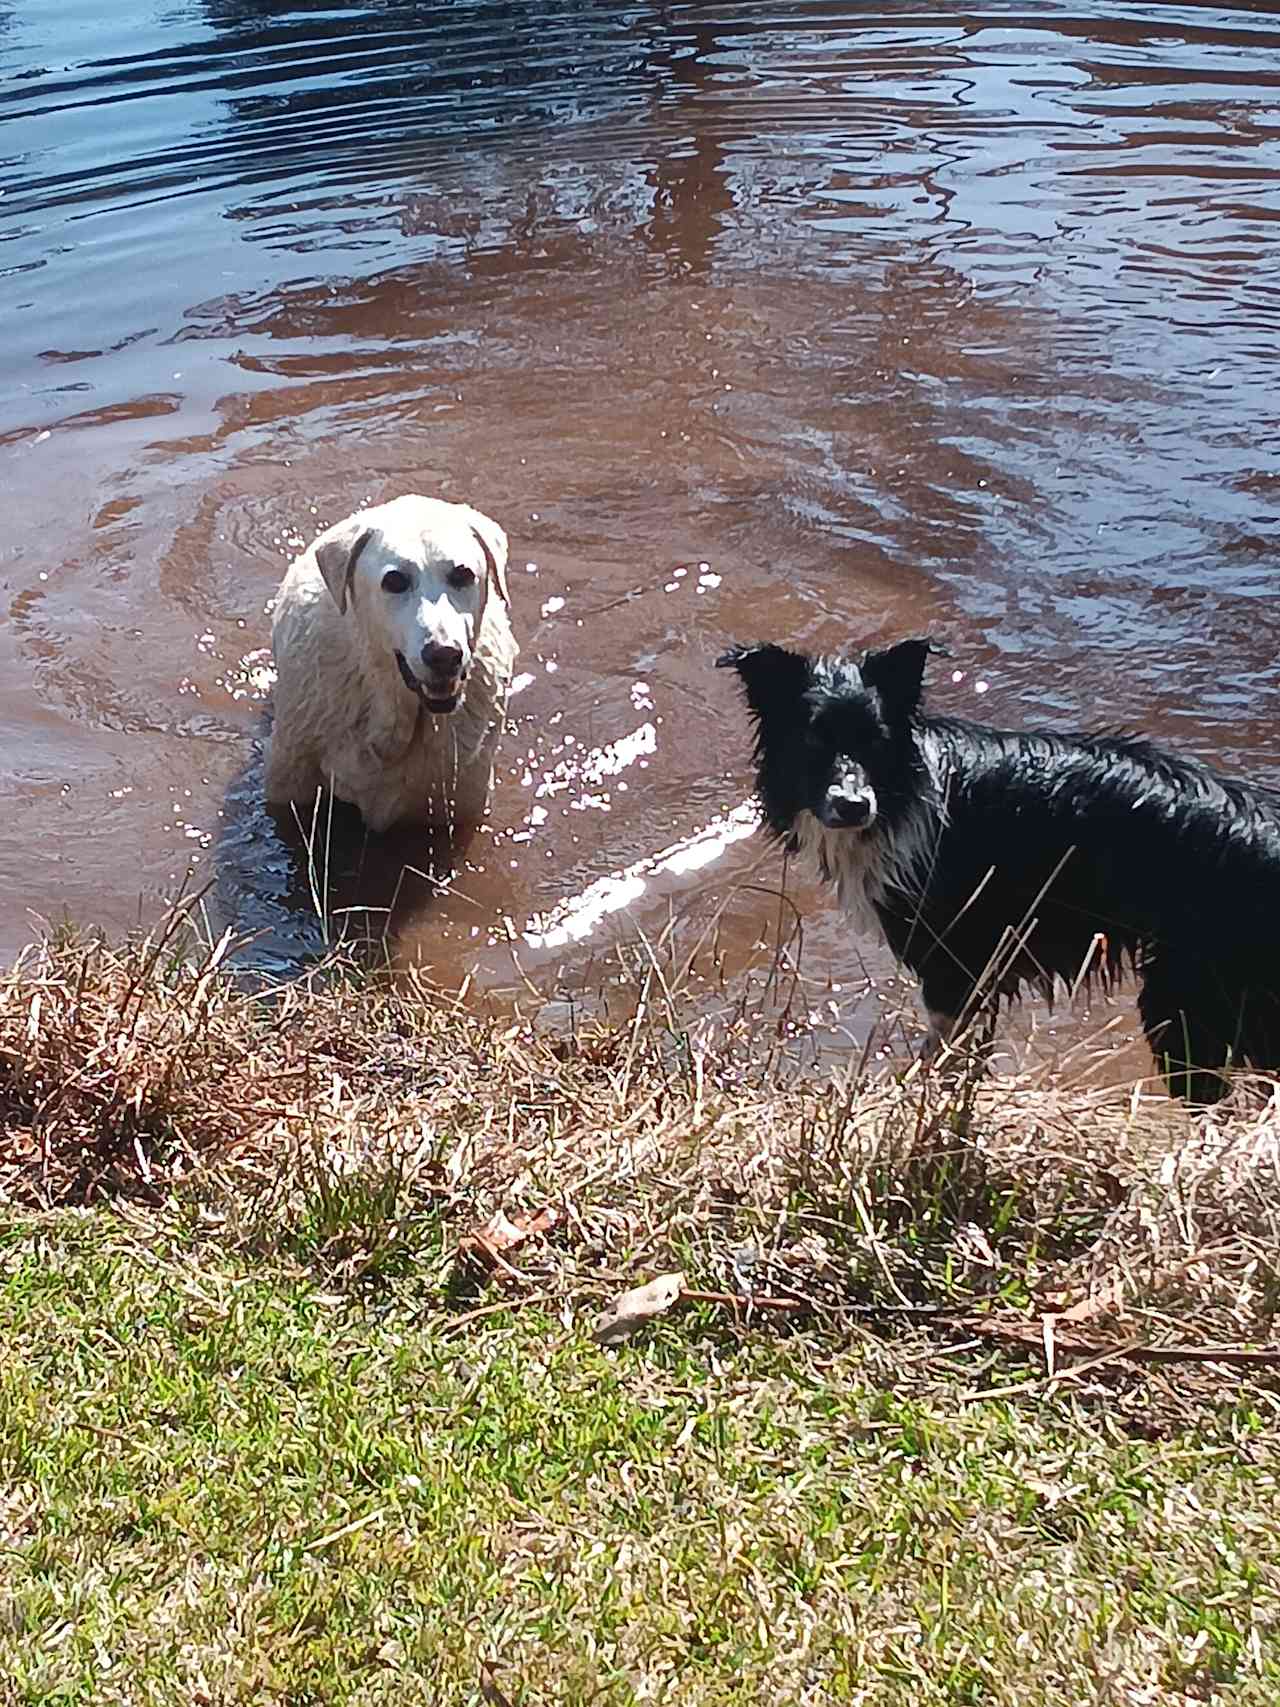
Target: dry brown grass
340,1116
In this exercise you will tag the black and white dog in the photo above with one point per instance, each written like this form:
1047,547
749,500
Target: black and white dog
994,861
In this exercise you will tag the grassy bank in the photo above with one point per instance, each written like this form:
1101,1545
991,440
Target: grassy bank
966,1392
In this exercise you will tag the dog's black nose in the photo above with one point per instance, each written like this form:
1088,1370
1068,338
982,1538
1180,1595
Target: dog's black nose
848,811
442,660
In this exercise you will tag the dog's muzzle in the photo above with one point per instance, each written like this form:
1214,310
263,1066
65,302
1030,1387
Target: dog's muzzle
847,811
438,694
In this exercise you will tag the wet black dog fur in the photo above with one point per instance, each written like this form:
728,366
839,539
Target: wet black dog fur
994,861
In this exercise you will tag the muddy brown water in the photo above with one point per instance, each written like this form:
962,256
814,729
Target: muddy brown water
801,321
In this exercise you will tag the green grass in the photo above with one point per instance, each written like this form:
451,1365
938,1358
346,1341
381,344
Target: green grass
264,1438
221,1483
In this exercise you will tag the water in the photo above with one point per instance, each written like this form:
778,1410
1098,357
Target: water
767,320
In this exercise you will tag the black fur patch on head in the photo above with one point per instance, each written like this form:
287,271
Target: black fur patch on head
813,715
864,713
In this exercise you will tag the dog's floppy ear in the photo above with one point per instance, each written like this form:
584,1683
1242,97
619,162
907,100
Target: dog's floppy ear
493,542
336,552
771,675
897,674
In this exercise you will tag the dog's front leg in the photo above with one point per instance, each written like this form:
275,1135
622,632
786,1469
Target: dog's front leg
380,812
961,1045
938,1035
291,775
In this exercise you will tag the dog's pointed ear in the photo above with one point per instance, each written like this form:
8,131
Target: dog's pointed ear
336,552
771,675
897,674
493,542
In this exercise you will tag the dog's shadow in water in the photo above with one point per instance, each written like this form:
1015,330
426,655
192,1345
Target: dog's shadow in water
293,887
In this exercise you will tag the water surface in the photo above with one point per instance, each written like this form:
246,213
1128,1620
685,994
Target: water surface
770,320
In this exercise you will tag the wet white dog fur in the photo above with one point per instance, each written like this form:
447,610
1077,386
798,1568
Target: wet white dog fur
394,653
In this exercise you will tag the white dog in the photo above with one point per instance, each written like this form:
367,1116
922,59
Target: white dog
393,653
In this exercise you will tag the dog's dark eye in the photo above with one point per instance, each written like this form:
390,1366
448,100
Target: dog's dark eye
395,581
461,576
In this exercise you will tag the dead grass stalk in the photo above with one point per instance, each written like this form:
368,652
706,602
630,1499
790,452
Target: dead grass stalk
363,1122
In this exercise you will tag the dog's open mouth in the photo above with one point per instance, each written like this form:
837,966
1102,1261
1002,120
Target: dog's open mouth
436,696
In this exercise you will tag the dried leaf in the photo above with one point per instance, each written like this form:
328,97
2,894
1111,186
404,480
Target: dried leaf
1100,1303
488,1245
631,1310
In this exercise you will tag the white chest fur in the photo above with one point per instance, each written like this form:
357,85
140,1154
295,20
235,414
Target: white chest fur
863,864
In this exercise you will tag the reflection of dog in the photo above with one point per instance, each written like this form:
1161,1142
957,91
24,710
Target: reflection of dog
993,861
394,653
